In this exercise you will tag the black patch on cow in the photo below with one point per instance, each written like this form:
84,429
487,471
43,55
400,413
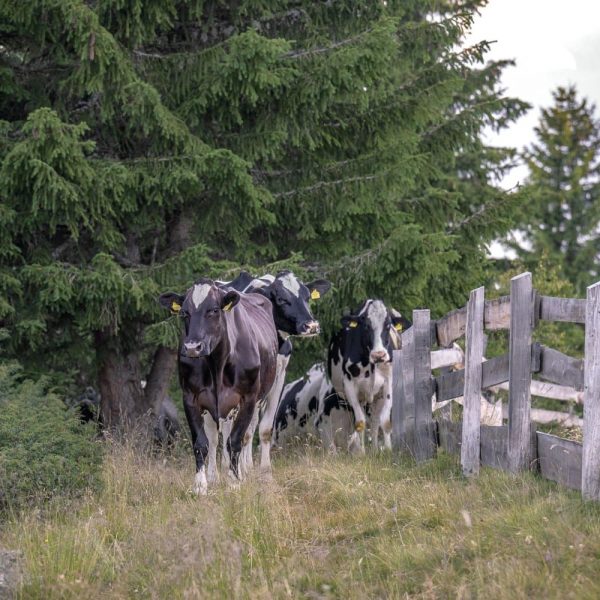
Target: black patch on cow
288,406
285,346
354,370
367,373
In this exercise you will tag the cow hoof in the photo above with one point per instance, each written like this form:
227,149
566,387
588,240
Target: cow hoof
200,484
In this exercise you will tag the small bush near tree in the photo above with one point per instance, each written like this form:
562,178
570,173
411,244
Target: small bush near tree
45,451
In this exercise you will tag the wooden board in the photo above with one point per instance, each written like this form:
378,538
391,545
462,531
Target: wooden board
401,425
494,446
447,357
560,368
424,447
451,385
560,460
519,372
453,325
469,452
571,310
449,434
590,475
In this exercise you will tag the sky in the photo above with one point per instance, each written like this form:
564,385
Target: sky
554,42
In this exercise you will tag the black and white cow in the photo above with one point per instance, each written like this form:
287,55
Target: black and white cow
227,364
292,315
310,405
359,364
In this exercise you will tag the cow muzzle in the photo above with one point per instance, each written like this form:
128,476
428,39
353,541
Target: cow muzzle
379,356
193,349
310,328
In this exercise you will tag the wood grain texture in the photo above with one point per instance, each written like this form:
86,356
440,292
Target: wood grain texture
424,447
494,446
519,373
560,368
449,434
560,460
406,415
469,452
590,476
571,310
398,399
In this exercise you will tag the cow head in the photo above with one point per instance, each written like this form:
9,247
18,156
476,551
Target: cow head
374,323
202,309
290,298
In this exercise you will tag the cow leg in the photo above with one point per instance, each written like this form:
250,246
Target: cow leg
265,429
225,426
212,433
199,443
239,429
356,440
246,458
385,417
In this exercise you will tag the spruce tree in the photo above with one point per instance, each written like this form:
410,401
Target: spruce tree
561,218
147,143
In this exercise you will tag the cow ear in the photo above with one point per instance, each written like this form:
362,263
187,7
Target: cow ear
349,321
400,323
230,299
318,287
172,301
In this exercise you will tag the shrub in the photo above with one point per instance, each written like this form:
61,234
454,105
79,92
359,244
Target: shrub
44,449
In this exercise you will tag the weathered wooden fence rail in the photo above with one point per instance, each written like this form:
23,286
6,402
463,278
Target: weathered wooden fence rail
516,446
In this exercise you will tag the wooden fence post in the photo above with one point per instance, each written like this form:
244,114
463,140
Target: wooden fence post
425,446
519,373
403,394
590,472
470,451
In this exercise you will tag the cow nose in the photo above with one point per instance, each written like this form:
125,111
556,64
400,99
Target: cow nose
193,349
379,356
311,328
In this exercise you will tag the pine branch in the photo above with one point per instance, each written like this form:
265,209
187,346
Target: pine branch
320,184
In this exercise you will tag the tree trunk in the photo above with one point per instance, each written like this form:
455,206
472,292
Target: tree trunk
122,400
163,367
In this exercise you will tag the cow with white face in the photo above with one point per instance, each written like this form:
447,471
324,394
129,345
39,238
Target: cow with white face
292,315
227,364
359,364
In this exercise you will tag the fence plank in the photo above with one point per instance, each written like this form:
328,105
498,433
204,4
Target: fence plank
560,460
560,368
469,452
447,357
424,433
406,414
519,373
541,415
451,385
571,310
494,446
590,476
450,436
398,400
496,314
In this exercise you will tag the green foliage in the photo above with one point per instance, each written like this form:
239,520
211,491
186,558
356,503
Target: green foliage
562,213
45,452
144,144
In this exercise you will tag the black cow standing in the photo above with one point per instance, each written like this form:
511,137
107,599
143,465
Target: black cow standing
359,364
227,364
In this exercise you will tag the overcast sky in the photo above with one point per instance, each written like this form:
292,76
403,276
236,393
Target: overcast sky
555,42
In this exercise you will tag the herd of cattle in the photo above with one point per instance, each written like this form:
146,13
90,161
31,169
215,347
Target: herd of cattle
233,357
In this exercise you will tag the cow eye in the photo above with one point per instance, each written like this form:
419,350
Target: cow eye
283,302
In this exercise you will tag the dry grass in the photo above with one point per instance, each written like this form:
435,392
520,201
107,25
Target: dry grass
328,527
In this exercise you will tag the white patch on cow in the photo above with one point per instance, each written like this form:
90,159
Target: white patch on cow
377,314
199,294
261,282
200,482
290,283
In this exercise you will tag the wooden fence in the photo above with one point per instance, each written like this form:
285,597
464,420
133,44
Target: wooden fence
516,446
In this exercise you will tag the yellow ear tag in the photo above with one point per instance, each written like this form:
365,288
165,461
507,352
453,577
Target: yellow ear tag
175,307
398,326
315,295
228,306
360,426
353,324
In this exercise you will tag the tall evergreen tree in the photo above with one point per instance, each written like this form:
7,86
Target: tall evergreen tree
562,216
149,142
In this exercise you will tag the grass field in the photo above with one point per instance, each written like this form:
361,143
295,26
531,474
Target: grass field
327,527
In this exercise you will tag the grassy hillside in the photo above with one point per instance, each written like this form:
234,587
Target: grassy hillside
327,527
